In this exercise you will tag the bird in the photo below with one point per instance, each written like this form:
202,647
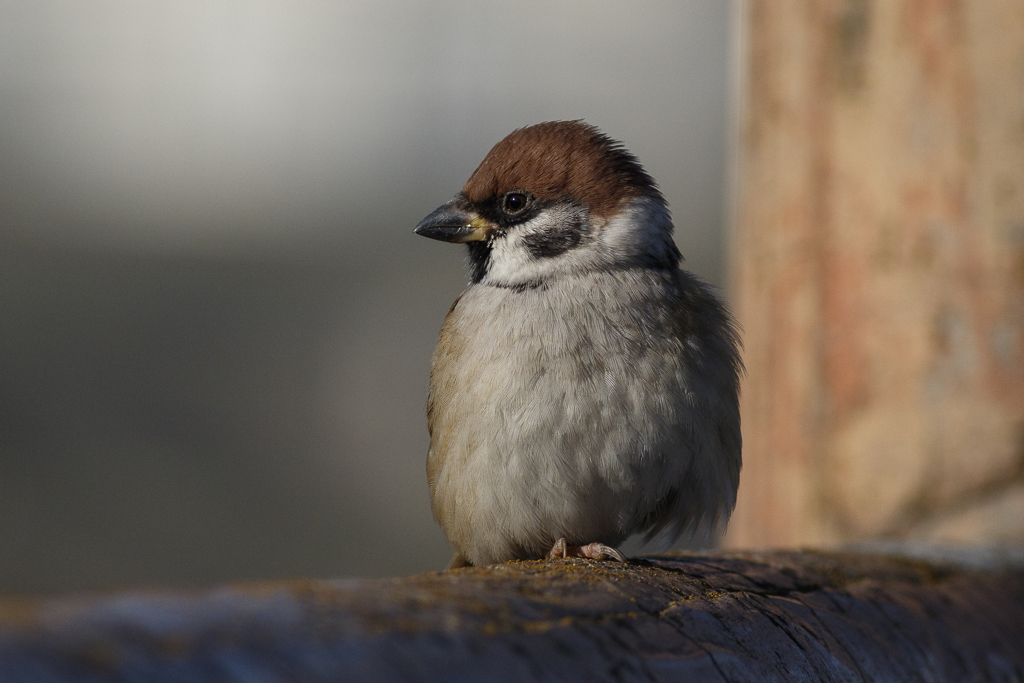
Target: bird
584,387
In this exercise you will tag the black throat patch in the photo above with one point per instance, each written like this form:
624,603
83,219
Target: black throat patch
479,259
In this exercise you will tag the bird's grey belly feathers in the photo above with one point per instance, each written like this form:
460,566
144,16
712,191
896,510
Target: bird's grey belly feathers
589,418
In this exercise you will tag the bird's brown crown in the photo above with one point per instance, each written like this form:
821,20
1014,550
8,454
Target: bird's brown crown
562,159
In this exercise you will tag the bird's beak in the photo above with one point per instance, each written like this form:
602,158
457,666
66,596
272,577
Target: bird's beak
453,223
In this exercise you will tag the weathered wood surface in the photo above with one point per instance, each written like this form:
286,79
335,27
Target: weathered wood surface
773,616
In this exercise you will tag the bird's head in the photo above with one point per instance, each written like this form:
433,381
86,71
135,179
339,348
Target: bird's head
553,199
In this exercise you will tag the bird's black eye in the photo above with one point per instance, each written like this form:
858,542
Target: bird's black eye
515,202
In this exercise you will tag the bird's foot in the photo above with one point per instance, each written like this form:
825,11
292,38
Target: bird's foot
593,551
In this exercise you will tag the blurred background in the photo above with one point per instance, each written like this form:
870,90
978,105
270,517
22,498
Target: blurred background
877,261
215,321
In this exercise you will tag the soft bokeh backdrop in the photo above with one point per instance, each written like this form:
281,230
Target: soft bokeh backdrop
878,268
215,322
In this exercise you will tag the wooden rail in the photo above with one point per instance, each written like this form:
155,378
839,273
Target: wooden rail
743,616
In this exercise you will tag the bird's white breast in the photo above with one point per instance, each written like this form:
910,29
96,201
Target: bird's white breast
564,410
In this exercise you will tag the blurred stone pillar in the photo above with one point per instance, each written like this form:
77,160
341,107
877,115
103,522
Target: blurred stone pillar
878,270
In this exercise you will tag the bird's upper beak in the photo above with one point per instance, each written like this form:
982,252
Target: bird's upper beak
454,223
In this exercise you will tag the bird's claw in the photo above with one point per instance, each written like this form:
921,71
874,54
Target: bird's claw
593,551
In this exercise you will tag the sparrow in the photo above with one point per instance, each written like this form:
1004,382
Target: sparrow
584,388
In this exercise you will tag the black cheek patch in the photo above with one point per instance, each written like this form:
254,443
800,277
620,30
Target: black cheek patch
549,243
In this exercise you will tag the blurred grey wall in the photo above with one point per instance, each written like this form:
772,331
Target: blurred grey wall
215,322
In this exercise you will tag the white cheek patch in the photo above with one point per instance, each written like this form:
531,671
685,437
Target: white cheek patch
639,235
511,262
514,256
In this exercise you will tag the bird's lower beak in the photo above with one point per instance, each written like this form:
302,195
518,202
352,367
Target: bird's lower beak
452,223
